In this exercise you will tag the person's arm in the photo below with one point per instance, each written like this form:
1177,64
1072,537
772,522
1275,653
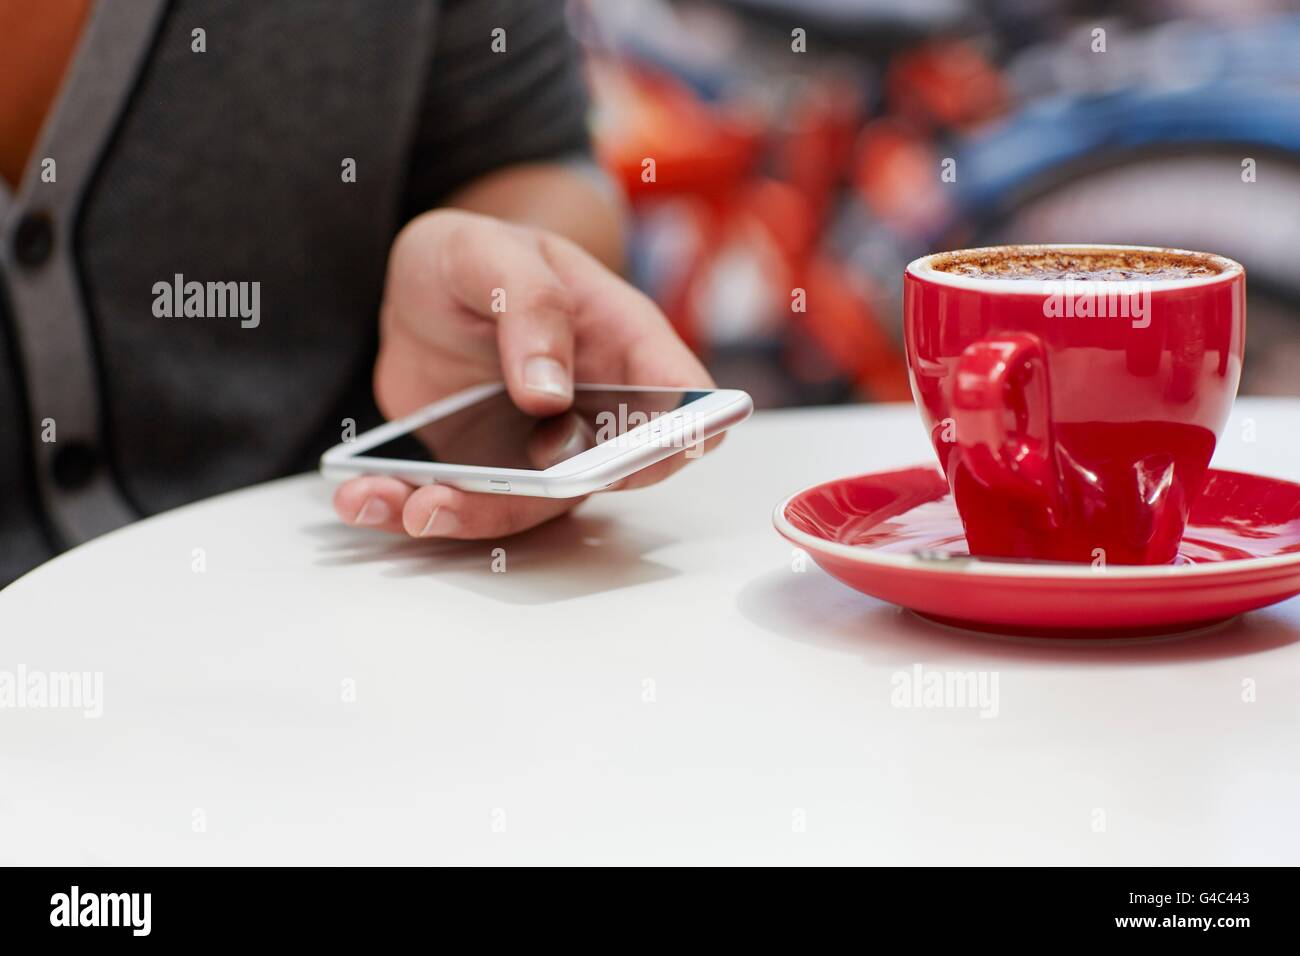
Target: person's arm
576,202
502,128
519,218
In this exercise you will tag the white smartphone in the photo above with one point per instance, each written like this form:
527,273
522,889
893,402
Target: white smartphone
477,440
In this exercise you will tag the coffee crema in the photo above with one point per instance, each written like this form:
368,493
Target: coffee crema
1096,265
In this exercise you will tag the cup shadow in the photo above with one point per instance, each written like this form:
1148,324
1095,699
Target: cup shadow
570,557
813,608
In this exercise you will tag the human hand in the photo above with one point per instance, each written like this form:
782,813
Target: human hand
471,299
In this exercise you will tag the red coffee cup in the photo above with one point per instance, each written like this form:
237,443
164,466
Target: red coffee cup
1075,419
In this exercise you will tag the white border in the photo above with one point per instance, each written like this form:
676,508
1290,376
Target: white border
991,567
921,269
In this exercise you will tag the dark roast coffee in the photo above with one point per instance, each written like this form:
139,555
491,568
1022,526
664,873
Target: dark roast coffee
1097,265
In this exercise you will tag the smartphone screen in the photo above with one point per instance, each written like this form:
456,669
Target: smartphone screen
493,433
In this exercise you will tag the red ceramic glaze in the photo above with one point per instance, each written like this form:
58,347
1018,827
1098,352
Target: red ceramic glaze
1064,433
897,536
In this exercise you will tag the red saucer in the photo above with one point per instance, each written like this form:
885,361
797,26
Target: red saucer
896,536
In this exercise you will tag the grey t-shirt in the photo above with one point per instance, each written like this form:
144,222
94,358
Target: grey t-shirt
210,142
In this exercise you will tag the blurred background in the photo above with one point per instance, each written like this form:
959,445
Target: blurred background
803,144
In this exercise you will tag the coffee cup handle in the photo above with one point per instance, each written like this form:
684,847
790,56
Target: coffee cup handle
998,381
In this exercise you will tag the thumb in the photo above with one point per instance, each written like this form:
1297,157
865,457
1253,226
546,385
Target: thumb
502,273
535,339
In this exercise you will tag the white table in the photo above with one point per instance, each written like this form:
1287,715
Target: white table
647,682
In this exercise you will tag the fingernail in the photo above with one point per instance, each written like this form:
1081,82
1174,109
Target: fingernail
374,511
441,522
544,374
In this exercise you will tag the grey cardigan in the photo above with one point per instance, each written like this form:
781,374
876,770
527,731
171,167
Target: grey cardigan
191,269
